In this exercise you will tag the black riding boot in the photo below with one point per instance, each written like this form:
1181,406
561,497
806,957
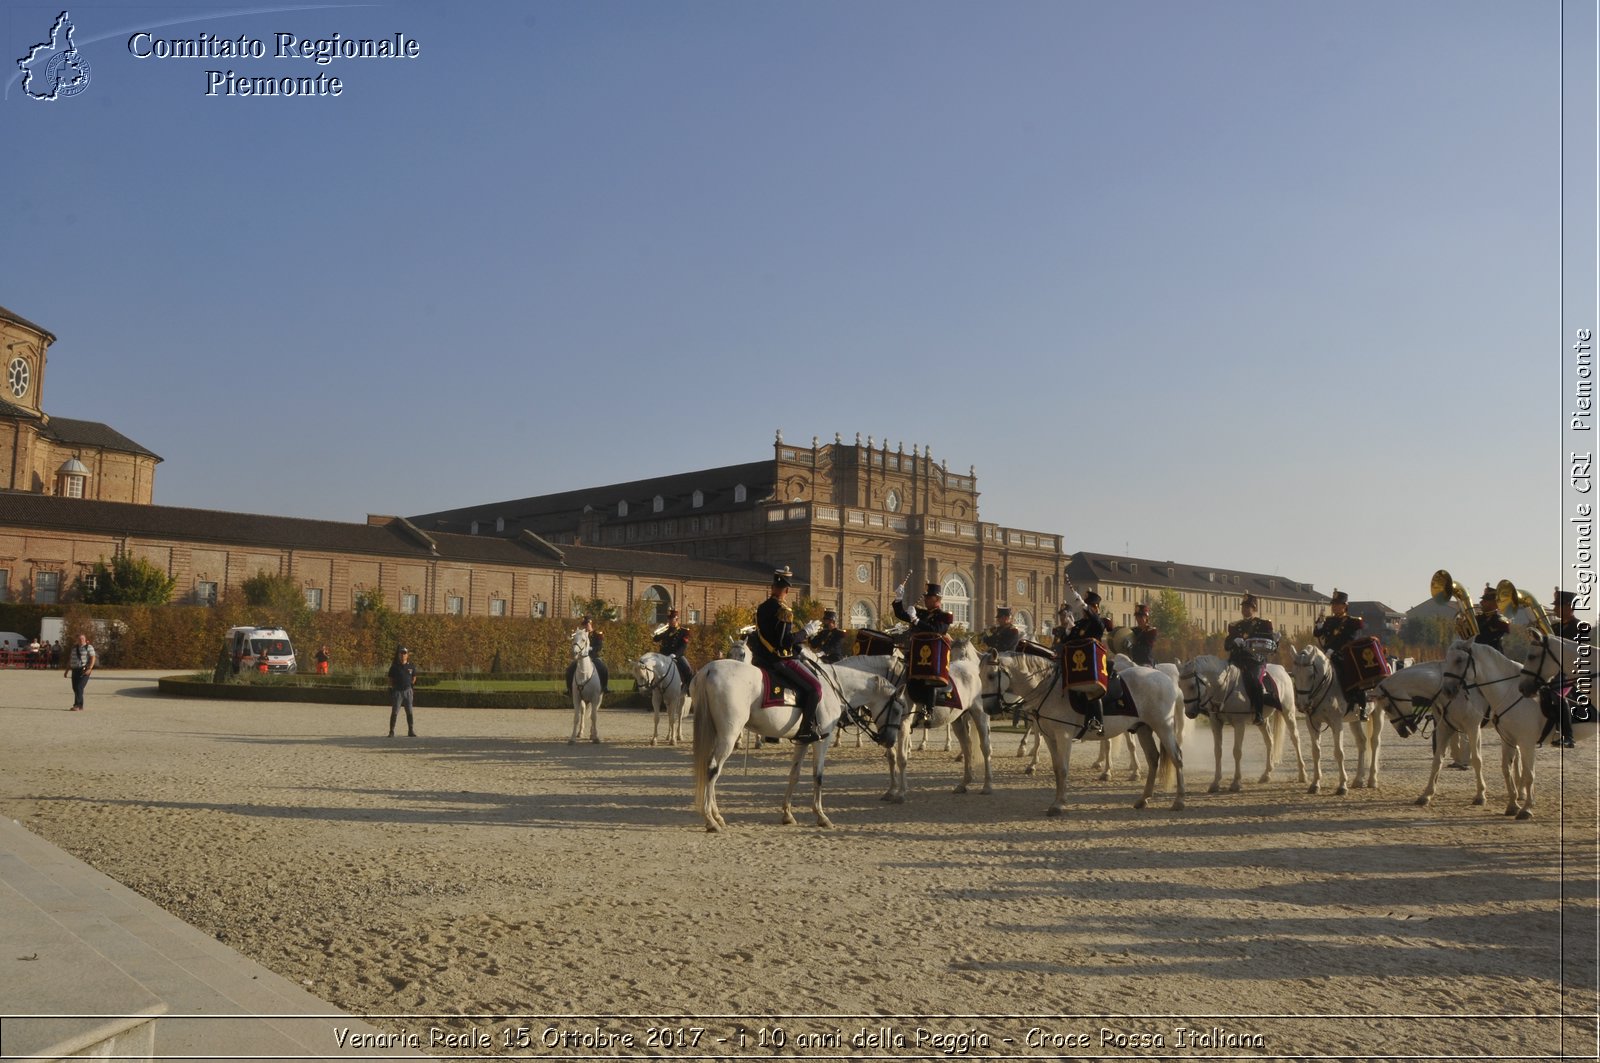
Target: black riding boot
808,722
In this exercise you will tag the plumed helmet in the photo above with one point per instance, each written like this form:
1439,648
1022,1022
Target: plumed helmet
1339,597
1248,601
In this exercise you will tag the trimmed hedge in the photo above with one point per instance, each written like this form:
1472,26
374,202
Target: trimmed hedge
332,694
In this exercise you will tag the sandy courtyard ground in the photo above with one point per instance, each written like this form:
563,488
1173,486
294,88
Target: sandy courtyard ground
489,879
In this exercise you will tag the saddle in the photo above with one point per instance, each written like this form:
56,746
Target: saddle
1116,701
1269,689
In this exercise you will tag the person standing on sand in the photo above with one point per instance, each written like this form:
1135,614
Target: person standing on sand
80,665
402,684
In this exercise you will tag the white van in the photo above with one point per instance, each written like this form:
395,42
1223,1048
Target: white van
245,645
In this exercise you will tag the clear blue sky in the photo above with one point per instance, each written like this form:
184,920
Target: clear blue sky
1255,284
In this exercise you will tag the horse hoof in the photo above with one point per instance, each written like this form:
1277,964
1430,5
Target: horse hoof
987,790
1302,777
1422,802
1359,785
1235,788
572,741
1028,770
1214,788
1104,776
1141,803
1513,810
652,741
712,828
1525,814
824,821
898,799
1479,800
1341,791
1053,811
961,788
788,819
1313,788
1177,806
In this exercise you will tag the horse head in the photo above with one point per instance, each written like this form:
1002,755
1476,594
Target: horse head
1458,662
645,673
580,644
1541,666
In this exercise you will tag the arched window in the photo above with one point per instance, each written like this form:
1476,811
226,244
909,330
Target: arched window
622,508
660,601
958,600
738,493
657,504
499,524
1024,621
861,615
699,498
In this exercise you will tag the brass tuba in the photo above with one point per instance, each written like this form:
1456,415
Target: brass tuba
1509,599
1442,588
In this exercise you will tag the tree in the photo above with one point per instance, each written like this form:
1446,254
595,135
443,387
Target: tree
128,581
1169,614
273,592
597,608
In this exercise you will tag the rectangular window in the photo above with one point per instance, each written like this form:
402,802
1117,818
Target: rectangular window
74,486
541,608
454,605
497,607
694,616
408,603
314,599
47,587
774,515
5,584
205,593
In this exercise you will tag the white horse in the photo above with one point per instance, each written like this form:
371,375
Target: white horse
727,696
1107,758
964,721
1214,686
1323,704
657,674
585,689
1155,700
1549,656
1415,693
1518,718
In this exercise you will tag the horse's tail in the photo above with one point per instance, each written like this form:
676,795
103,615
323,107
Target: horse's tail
705,737
1278,734
1167,775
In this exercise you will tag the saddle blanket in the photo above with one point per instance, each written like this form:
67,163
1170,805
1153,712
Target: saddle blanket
774,693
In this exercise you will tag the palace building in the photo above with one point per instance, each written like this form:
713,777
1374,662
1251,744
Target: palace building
1210,594
57,455
852,520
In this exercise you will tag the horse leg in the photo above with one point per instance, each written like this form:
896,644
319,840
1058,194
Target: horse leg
980,723
1216,738
819,757
1265,727
1238,758
1152,757
1102,760
1338,758
1508,756
1033,762
577,713
960,725
1133,756
1316,756
889,762
794,780
1294,740
1440,748
900,754
1475,753
1060,751
594,714
655,717
1525,754
722,745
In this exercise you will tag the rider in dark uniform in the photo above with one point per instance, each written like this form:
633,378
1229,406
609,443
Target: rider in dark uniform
1492,627
829,642
674,643
1250,627
1145,634
1004,636
930,618
1335,632
774,643
597,642
1569,627
1089,626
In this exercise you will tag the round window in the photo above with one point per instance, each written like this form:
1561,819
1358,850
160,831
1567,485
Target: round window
863,573
1022,586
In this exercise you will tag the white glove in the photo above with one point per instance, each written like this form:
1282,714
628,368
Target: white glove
812,627
900,593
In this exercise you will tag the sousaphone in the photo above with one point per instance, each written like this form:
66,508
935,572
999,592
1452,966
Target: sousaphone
1442,588
1121,641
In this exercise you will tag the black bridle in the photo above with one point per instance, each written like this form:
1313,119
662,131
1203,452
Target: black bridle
1472,668
1031,704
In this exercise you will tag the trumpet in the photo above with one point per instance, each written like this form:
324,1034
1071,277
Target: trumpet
1509,599
1442,588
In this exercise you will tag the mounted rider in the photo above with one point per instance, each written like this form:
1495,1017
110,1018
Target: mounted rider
1334,632
673,641
774,643
597,642
1091,625
1240,632
930,633
1004,636
1562,689
1492,627
829,641
1143,650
